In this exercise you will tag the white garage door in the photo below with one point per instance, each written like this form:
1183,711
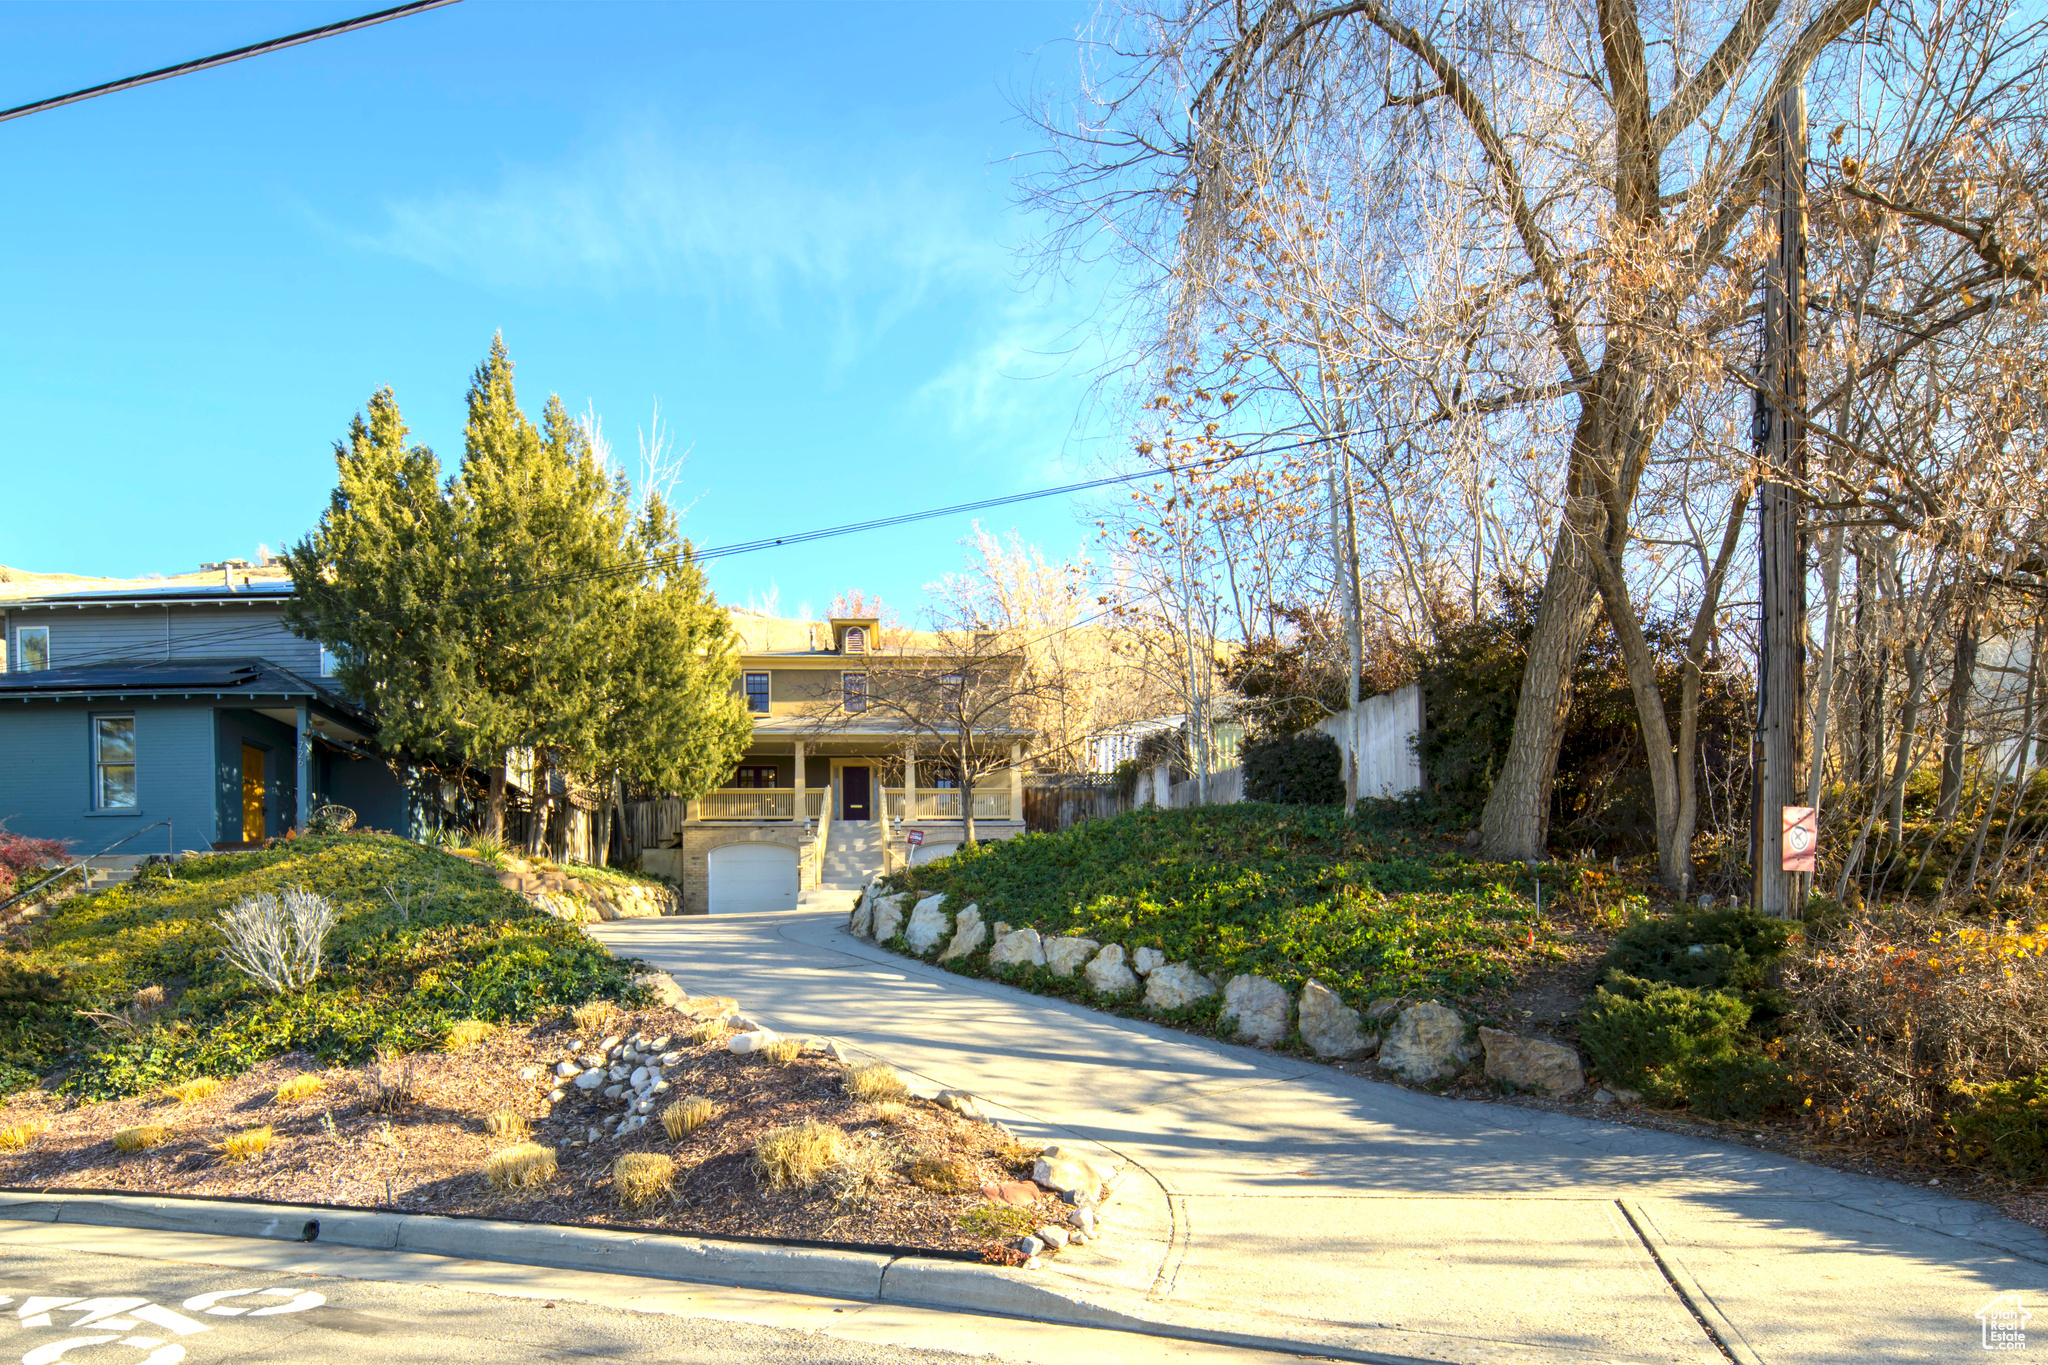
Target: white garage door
748,878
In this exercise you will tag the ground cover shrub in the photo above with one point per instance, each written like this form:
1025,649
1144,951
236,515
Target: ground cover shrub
800,1154
1294,770
2004,1125
1681,1045
640,1178
861,1171
998,1220
246,1145
1729,949
874,1082
140,1138
471,950
687,1115
299,1088
526,1166
1287,892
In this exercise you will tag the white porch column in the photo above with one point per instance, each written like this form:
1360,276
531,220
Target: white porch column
803,804
1017,781
910,780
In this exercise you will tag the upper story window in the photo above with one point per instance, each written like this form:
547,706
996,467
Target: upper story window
32,645
757,693
853,691
328,663
113,762
856,640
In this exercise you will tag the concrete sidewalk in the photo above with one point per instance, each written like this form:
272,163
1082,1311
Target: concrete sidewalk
1335,1211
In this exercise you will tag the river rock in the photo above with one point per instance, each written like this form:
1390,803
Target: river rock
1147,960
590,1080
888,917
1426,1043
1065,956
756,1041
969,934
1259,1008
1175,985
1108,973
1531,1063
927,925
567,1069
1066,1171
1022,947
1327,1026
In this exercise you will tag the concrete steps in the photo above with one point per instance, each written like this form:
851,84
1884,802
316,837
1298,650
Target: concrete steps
853,854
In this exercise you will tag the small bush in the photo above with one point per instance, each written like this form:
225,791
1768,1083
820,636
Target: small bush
299,1088
997,1220
506,1123
1020,1157
861,1171
277,940
783,1051
388,1083
246,1145
331,820
874,1082
2005,1126
524,1167
800,1154
687,1115
709,1031
17,1136
1295,770
593,1015
640,1178
140,1138
466,1034
941,1174
1718,950
1679,1045
193,1091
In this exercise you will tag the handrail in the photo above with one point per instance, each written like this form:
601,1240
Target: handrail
84,862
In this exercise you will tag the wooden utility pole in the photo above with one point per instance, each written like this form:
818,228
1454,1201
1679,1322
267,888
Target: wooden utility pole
1779,755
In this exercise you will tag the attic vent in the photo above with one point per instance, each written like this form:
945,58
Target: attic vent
856,640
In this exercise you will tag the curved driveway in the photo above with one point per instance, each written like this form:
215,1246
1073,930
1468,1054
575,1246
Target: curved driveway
1293,1200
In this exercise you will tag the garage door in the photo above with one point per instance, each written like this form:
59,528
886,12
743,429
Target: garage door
748,878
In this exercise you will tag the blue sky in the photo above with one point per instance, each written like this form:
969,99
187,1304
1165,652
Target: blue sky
791,225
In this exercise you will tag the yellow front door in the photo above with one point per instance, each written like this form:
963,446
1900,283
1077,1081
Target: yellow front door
252,794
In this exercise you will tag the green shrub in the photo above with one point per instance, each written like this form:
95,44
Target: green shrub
1681,1045
1728,950
2005,1126
1294,770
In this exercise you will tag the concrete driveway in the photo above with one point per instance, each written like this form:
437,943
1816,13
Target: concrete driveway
1279,1196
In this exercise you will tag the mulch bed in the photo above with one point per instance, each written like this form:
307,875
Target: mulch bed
426,1156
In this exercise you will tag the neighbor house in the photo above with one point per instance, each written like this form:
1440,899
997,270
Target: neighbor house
175,714
837,784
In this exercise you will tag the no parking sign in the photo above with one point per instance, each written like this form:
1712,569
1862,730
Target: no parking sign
1802,833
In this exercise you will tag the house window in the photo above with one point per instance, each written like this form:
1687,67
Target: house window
32,643
853,691
757,693
856,640
754,775
113,762
328,662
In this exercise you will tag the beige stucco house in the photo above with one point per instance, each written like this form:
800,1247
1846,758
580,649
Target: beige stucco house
837,786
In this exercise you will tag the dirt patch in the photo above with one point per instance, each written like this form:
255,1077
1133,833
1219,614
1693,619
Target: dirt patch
351,1144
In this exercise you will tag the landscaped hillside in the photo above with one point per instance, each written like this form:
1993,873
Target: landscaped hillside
1286,892
127,989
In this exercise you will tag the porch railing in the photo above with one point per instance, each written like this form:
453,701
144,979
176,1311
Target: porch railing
990,803
747,803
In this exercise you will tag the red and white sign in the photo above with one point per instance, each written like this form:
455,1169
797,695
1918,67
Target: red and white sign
1802,832
916,837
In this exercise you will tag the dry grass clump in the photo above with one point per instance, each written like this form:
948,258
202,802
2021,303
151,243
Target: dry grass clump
193,1091
861,1172
506,1123
388,1083
140,1138
593,1015
783,1051
16,1136
467,1034
524,1167
1020,1157
246,1145
800,1154
687,1115
890,1111
298,1088
941,1174
874,1081
640,1178
709,1031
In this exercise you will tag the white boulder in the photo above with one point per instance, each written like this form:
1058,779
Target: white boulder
888,917
1065,956
1426,1043
969,934
590,1080
1328,1027
1021,947
1108,973
1147,961
1259,1010
756,1041
927,925
1175,985
567,1069
861,923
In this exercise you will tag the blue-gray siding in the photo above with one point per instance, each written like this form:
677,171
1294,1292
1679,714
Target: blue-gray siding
46,775
85,635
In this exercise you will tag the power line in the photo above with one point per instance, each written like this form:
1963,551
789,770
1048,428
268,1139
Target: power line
223,58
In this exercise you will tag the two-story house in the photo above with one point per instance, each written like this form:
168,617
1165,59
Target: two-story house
835,786
175,714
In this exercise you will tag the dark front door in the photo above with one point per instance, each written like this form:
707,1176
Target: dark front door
853,794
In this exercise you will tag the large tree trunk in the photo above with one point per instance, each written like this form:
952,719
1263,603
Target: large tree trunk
537,805
494,804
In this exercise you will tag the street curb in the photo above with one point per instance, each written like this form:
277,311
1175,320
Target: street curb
911,1281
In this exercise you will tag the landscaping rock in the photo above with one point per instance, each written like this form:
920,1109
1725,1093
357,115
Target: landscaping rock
1108,973
927,925
592,1061
755,1041
1052,1234
1175,985
529,1073
608,1044
659,1044
1426,1043
1260,1010
959,1101
1381,1009
1030,1246
1084,1219
1147,961
969,934
1022,948
1328,1027
590,1080
670,1058
1532,1063
1067,1171
1603,1096
620,1072
640,1078
1002,928
1627,1096
861,923
1018,1193
1065,956
612,1092
888,917
567,1069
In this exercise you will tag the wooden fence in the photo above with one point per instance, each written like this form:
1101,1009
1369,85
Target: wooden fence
1056,801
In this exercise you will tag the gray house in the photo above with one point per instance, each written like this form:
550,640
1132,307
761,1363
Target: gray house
182,713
